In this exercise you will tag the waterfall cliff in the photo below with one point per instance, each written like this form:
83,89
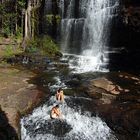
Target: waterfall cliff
85,30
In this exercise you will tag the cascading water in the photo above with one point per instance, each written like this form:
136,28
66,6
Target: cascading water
78,123
75,125
84,37
85,32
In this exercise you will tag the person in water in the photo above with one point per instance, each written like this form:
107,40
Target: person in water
60,95
55,112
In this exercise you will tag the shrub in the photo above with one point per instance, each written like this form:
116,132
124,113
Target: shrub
44,45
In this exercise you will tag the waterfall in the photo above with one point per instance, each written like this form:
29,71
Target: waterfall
85,31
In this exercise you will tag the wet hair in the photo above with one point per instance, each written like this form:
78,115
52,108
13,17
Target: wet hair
60,89
57,106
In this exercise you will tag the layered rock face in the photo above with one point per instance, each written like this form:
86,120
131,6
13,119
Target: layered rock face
125,32
49,18
124,28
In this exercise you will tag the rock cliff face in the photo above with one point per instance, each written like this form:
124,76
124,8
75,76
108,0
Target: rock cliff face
125,32
50,18
124,36
43,16
130,16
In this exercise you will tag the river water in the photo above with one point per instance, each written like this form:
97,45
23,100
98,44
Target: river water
75,125
79,121
84,42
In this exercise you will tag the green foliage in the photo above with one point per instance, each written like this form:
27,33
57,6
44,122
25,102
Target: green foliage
32,45
49,46
50,18
21,4
11,13
45,46
58,19
11,51
18,36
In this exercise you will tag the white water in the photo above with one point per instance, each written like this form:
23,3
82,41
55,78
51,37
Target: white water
93,26
82,64
83,125
95,17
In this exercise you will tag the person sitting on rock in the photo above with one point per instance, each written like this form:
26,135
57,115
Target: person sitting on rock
60,95
55,112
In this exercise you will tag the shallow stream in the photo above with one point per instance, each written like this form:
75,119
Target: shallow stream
79,121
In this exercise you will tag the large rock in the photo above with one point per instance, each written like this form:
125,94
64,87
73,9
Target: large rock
117,98
104,89
17,97
124,37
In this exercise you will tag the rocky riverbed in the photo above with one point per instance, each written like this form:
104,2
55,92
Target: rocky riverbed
115,95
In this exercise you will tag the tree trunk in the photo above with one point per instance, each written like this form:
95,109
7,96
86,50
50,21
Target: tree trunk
1,21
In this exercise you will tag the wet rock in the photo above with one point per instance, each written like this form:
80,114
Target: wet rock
95,92
52,126
101,94
73,83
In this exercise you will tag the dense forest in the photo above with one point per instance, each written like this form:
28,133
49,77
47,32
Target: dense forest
26,18
11,17
22,22
14,16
